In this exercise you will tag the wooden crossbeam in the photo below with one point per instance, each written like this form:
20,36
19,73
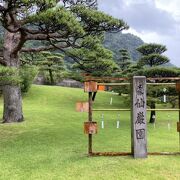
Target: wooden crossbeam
130,109
122,84
90,78
129,153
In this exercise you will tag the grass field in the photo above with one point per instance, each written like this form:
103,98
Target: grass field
50,143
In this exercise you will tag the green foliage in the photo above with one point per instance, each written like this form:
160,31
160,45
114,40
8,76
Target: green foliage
159,72
9,76
58,19
151,48
173,100
39,2
53,79
27,75
50,60
26,6
93,58
156,94
152,54
123,89
124,64
13,76
153,60
98,20
30,58
53,64
67,27
75,75
132,70
125,59
50,64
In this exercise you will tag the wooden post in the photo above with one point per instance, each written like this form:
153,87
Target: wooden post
178,91
94,96
90,120
179,118
138,118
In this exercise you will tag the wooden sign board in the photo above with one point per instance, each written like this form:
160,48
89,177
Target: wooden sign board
90,86
101,88
178,126
90,127
178,86
82,107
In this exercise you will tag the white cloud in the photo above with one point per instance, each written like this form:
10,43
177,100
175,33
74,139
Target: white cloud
148,37
171,6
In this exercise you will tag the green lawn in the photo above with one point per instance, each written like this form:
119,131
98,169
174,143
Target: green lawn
50,143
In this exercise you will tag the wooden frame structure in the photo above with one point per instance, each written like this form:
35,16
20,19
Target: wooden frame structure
91,97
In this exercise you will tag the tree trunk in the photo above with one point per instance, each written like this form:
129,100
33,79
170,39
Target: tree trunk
12,104
12,94
153,113
51,77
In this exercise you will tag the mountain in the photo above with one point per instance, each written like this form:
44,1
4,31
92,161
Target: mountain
117,41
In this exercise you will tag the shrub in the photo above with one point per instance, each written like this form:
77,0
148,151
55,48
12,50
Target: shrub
27,75
9,76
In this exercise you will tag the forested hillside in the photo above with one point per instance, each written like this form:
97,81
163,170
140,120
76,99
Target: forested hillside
117,41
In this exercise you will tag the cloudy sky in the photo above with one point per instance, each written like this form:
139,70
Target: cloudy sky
152,20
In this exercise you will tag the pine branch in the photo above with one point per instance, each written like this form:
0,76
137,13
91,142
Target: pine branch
39,49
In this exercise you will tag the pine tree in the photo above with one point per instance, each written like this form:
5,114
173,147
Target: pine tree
52,63
60,26
152,54
125,59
